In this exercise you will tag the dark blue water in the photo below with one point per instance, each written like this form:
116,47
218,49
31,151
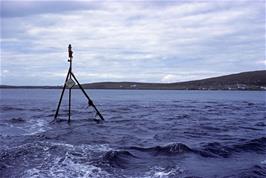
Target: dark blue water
146,134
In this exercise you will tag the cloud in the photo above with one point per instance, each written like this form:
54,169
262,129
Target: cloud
31,7
131,41
169,78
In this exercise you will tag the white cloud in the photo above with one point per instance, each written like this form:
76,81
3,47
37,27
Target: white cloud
262,62
169,78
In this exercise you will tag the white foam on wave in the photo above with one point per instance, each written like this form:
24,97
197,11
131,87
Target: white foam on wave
159,172
67,168
74,162
83,147
29,126
60,144
263,162
36,126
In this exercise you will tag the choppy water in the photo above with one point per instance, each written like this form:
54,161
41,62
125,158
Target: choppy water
146,134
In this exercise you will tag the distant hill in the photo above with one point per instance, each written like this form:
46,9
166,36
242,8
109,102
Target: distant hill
254,80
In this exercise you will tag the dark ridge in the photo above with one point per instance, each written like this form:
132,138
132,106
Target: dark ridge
258,145
260,124
216,149
10,108
245,78
171,149
255,171
253,80
17,120
118,158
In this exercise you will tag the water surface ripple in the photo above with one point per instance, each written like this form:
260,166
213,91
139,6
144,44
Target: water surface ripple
146,134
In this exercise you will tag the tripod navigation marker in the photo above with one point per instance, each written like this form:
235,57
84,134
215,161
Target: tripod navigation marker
70,83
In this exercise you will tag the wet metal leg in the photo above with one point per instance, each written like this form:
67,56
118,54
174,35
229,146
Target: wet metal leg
61,97
90,101
69,105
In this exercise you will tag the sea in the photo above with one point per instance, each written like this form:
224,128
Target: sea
146,134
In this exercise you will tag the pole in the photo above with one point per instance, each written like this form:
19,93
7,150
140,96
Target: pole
69,96
61,97
69,105
90,101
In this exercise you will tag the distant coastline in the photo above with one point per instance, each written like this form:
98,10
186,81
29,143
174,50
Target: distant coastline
253,80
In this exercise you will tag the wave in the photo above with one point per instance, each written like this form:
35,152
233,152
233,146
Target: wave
134,156
216,149
260,124
82,159
10,108
257,145
170,149
255,171
44,159
118,158
17,120
131,156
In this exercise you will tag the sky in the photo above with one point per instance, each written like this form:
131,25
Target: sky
142,41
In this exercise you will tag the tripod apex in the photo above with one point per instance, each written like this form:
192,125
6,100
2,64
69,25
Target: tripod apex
70,52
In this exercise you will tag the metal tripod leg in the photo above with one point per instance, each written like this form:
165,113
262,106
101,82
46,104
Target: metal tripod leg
69,105
90,101
61,97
